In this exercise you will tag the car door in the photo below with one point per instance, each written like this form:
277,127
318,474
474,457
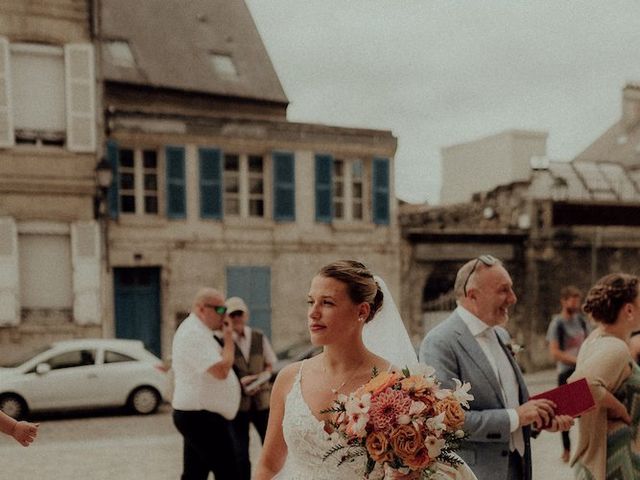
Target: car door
118,375
71,382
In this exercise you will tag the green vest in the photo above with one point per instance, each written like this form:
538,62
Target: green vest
256,364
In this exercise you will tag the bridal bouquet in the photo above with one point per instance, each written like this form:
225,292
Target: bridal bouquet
404,423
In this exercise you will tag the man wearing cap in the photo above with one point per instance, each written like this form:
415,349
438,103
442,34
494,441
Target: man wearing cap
254,359
207,392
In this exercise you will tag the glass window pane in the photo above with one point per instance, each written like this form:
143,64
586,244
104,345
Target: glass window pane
231,206
127,203
149,159
256,185
126,157
232,162
114,357
255,164
151,204
338,168
231,184
338,209
256,208
339,190
126,181
77,358
357,190
151,182
357,211
356,169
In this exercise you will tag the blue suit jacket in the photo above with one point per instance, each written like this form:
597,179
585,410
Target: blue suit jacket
452,350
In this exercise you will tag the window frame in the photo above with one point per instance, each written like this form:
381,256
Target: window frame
244,176
139,191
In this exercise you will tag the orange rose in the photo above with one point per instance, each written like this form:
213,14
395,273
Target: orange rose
406,441
419,461
415,383
377,446
453,412
381,381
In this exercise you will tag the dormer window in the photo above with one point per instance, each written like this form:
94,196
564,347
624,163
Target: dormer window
121,54
223,65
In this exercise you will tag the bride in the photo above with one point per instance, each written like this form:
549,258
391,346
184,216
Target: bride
343,298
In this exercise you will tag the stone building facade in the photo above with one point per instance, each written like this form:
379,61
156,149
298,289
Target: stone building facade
570,223
212,185
50,278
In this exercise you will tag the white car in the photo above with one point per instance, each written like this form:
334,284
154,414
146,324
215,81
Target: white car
85,373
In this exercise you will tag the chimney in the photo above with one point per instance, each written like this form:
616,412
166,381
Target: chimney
630,106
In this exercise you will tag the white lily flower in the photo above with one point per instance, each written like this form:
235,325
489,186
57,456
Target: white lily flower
434,445
461,392
436,423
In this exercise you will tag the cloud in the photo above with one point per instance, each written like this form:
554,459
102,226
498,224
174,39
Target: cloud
437,73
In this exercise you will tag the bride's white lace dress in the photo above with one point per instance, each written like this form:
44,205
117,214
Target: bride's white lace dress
307,442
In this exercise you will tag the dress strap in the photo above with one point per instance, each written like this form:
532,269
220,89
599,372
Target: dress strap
299,375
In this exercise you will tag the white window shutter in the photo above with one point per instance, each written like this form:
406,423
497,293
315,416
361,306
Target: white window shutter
9,276
7,137
85,257
80,85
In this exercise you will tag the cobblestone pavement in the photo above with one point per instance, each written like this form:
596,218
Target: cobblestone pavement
113,446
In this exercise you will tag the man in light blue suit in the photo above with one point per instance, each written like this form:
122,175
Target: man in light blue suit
467,347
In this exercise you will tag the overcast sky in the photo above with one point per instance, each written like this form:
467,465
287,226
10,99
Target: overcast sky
437,73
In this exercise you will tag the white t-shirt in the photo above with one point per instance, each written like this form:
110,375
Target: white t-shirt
194,352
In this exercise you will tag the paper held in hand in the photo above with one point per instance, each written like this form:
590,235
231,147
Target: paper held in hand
253,386
573,399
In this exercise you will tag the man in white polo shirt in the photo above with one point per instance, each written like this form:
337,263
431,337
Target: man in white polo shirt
207,392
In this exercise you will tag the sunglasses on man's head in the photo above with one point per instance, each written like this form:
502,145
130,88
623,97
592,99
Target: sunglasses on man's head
219,309
487,260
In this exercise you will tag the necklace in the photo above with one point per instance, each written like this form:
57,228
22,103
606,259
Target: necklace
335,390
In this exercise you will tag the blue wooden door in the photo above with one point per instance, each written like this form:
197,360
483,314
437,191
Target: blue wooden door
137,305
253,285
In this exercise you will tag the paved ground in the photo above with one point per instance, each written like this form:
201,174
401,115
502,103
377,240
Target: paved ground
113,446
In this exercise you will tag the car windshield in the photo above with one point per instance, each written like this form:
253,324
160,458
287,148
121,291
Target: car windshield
27,356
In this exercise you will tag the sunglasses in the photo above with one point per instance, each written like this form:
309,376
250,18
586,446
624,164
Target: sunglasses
219,309
236,313
487,260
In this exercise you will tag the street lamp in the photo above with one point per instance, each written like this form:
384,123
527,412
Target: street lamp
104,177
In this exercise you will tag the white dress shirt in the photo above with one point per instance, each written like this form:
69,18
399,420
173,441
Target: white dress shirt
479,330
194,352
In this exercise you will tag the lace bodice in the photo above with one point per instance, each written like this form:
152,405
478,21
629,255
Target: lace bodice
307,442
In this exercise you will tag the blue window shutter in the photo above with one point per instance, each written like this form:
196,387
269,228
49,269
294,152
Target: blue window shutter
176,184
324,187
381,191
284,187
210,183
114,196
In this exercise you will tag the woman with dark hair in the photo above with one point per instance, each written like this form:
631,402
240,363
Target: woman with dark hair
344,296
608,439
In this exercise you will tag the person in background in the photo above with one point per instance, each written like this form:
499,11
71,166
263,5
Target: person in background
23,432
253,356
207,392
634,346
608,443
566,332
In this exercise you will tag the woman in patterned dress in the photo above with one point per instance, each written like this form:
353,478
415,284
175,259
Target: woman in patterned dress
608,439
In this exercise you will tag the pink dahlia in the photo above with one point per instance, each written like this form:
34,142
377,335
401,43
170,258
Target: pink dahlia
386,407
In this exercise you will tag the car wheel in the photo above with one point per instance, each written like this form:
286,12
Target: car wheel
13,405
144,400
